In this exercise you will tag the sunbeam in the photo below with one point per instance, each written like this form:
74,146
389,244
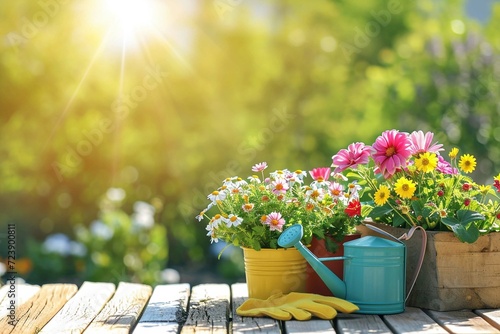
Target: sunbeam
92,61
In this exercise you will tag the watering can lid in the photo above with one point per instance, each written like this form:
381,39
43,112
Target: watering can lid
374,242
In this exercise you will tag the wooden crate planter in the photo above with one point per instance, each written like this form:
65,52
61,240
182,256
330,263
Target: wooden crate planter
454,275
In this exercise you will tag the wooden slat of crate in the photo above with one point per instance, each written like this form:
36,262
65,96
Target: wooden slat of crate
22,293
122,312
309,326
463,322
166,310
208,309
249,324
360,323
80,310
413,320
491,316
39,309
481,260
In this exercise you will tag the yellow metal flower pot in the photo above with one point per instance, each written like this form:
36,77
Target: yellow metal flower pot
270,271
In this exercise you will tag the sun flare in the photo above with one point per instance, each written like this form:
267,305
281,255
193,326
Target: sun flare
131,17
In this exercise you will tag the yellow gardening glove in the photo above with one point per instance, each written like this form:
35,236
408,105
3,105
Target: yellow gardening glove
298,305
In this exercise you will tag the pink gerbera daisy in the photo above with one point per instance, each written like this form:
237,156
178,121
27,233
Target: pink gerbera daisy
444,166
336,189
275,221
420,143
259,167
390,151
355,154
280,186
320,174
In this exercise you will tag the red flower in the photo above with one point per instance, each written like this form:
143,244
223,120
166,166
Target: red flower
496,184
467,201
354,208
466,187
440,193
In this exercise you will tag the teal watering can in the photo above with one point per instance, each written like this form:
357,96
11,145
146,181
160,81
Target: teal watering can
374,271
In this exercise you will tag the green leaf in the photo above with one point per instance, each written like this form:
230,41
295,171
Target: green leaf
467,216
459,225
464,234
417,207
380,211
398,221
366,209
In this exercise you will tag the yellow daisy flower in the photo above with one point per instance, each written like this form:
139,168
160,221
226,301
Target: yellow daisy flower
497,178
426,162
467,163
382,195
405,188
453,153
484,189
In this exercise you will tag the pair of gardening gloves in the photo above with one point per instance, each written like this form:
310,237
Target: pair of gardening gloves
301,306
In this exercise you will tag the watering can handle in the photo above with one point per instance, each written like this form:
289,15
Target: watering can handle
407,236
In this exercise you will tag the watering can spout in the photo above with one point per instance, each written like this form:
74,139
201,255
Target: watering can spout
291,238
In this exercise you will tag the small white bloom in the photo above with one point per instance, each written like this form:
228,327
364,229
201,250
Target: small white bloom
315,193
354,190
233,220
57,243
202,214
101,230
235,189
254,179
216,220
211,233
77,249
115,194
170,276
143,216
280,174
240,182
217,195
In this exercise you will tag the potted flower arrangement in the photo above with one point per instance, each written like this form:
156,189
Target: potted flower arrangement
251,213
408,182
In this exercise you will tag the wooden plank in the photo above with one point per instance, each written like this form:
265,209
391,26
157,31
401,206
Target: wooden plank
413,320
360,323
32,315
310,326
483,270
249,324
462,322
491,316
80,310
166,310
17,295
208,309
122,312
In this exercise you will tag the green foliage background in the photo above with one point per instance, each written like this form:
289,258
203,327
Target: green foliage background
235,83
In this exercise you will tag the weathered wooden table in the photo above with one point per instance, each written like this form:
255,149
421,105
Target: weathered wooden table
179,308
